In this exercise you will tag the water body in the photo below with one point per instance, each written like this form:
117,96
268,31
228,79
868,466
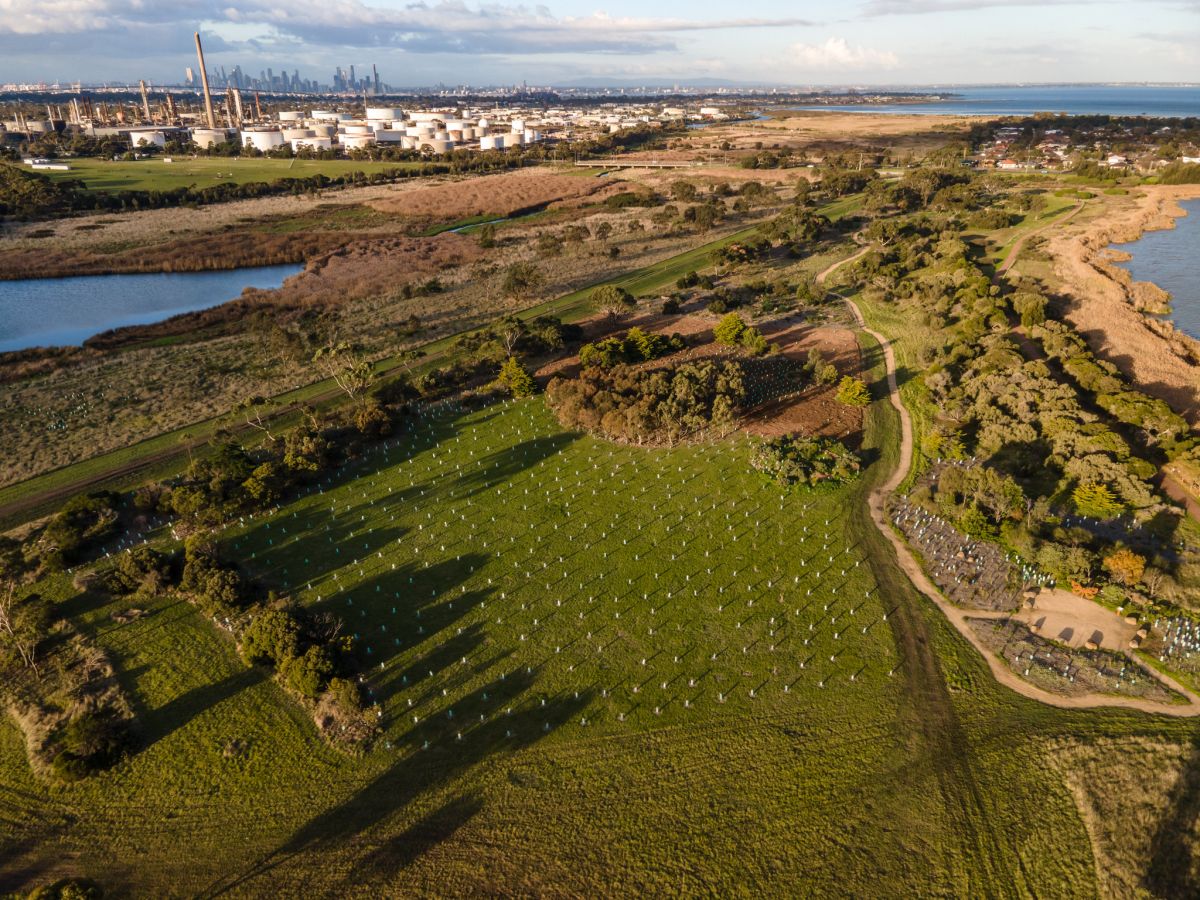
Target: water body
1169,259
50,312
1077,100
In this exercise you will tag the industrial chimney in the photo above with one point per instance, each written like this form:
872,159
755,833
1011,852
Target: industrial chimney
208,107
145,101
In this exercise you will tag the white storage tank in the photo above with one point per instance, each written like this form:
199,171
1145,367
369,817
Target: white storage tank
324,115
263,139
313,141
440,146
356,141
298,134
517,126
291,115
357,129
484,123
325,130
384,113
389,136
491,142
147,139
209,137
531,136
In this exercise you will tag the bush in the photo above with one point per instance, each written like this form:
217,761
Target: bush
795,459
729,330
671,307
516,378
92,741
1096,501
308,674
853,392
273,637
614,301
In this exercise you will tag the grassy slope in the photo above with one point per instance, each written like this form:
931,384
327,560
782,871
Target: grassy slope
108,176
571,307
887,785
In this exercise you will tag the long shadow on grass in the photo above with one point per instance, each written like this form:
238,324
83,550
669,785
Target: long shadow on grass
175,714
452,751
505,464
1171,871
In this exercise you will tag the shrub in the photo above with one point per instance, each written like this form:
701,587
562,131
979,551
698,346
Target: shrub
516,378
273,637
795,459
671,307
614,301
853,392
1097,501
93,740
729,330
308,674
1125,566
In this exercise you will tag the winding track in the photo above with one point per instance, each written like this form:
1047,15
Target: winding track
912,569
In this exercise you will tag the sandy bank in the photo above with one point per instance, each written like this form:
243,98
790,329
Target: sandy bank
1105,306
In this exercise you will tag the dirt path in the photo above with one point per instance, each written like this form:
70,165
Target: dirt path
1016,248
958,617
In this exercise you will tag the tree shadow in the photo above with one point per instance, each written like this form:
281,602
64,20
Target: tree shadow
421,769
506,464
425,834
159,723
1170,872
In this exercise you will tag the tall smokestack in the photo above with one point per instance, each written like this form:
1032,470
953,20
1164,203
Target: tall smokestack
145,101
237,105
208,107
257,107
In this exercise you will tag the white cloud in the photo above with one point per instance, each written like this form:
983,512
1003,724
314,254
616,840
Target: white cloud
837,53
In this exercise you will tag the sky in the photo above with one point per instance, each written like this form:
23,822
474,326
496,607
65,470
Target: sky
419,43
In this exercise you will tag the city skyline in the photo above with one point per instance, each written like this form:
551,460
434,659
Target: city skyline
869,42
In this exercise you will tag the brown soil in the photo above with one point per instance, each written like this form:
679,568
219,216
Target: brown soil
816,411
1099,304
1070,619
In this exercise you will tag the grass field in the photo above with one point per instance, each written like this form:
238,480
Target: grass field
109,176
622,603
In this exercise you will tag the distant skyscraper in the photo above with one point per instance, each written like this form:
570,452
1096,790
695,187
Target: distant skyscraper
191,76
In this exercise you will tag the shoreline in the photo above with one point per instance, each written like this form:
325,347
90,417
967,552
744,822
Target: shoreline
1117,315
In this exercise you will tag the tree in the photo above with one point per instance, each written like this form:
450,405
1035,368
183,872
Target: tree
521,278
614,301
729,330
516,378
1097,501
1125,566
853,391
347,366
273,636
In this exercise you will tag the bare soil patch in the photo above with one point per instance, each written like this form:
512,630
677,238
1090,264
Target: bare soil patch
1072,620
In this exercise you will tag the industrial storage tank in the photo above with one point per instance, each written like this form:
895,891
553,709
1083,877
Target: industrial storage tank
517,125
439,146
356,141
147,139
298,134
323,129
531,136
209,137
389,136
263,139
491,142
314,141
291,115
357,129
384,113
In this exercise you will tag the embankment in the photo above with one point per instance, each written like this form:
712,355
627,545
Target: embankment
1115,314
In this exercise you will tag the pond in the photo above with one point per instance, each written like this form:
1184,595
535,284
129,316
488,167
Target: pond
46,312
1169,259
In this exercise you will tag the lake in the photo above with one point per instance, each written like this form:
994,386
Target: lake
46,312
1077,100
1169,259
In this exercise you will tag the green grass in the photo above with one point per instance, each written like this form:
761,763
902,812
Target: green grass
108,176
446,547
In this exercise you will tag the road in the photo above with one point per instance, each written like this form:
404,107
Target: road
913,571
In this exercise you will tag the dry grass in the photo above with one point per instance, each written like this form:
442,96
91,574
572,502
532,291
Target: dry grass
1098,301
499,195
1122,789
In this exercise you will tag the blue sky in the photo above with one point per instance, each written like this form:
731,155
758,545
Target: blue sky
423,42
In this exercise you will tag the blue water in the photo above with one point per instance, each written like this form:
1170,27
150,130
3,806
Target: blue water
1170,260
49,312
1081,100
